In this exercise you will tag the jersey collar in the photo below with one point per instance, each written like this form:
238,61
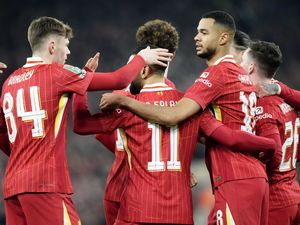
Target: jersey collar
33,61
226,58
156,87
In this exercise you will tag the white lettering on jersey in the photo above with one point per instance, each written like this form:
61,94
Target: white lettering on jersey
170,103
245,79
285,108
204,81
264,116
20,78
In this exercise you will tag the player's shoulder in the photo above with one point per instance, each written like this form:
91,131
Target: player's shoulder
269,100
69,69
269,107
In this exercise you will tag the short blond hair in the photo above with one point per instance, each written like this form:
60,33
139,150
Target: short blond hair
41,27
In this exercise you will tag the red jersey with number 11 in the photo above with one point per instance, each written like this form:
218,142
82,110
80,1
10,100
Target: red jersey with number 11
158,185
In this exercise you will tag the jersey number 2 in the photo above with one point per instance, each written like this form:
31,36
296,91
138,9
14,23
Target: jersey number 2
290,144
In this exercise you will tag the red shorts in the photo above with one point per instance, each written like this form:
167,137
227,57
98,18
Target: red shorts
111,209
40,209
241,202
121,222
285,216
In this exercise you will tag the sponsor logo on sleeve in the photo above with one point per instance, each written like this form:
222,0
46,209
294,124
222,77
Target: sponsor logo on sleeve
204,74
81,72
204,81
259,110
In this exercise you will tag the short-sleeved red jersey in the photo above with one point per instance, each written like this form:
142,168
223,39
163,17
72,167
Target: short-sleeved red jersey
227,89
35,101
273,112
159,158
117,176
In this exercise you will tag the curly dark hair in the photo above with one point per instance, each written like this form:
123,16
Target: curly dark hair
157,33
267,55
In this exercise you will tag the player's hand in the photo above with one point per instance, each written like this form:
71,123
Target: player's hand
156,56
110,101
267,89
193,180
2,66
92,63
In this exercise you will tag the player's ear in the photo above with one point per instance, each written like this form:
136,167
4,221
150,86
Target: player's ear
51,47
146,71
251,68
224,38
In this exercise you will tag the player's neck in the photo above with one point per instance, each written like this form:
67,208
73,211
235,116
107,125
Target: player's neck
221,52
154,79
45,57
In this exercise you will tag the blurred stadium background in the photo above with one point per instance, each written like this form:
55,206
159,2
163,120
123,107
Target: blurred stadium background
109,27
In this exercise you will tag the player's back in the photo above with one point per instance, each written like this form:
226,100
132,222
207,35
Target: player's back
158,188
284,187
35,103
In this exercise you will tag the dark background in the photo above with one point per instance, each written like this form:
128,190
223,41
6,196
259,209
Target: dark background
109,27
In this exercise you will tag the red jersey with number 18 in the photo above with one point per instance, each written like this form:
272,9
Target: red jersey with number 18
35,102
226,88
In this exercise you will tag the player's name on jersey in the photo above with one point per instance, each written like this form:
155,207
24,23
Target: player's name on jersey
170,103
20,78
285,108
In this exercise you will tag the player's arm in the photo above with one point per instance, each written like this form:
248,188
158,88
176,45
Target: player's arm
85,123
2,66
291,96
123,76
270,130
163,115
234,139
108,140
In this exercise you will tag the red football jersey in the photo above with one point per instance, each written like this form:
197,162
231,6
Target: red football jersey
116,179
159,159
35,102
272,112
227,89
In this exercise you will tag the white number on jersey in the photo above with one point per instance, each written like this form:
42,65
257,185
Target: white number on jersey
156,164
248,107
291,140
37,115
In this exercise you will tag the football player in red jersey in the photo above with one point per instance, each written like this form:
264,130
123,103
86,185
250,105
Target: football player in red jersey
277,120
152,32
226,88
35,101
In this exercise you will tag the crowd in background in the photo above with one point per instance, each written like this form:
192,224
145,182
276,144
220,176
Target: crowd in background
109,27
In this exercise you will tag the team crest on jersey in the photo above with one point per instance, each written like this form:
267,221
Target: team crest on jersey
259,110
204,74
81,72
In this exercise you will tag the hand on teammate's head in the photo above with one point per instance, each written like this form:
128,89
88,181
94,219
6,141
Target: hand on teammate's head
156,56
